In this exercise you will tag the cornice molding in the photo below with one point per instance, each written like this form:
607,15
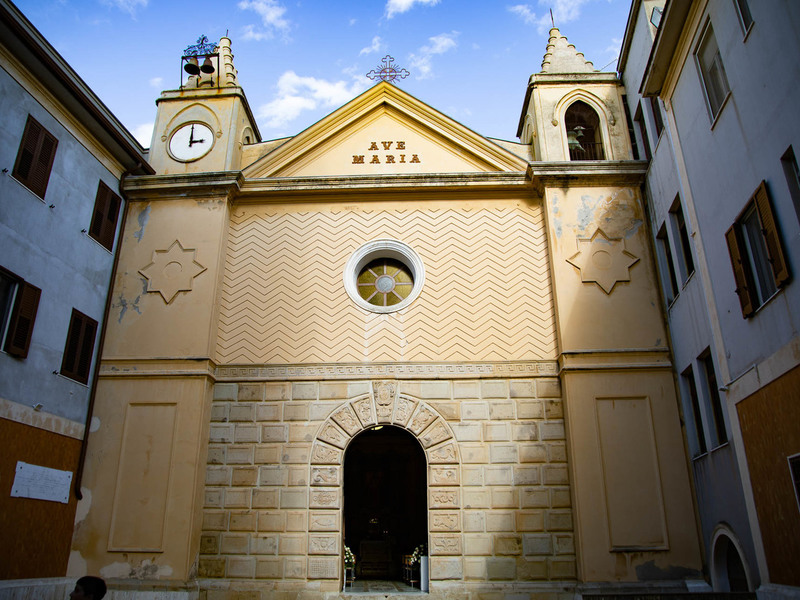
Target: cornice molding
572,78
449,370
157,367
589,173
617,359
234,184
366,183
203,367
218,183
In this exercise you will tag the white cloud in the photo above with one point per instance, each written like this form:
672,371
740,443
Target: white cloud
396,7
129,6
374,47
352,22
524,12
297,94
439,44
564,11
143,133
272,19
156,82
614,47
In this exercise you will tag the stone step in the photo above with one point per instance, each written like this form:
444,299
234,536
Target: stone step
674,596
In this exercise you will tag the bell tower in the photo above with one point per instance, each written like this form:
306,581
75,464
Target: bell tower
628,479
203,125
571,110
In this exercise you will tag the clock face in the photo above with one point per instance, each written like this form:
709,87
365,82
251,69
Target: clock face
191,141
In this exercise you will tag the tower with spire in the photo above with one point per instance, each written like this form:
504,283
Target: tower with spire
573,111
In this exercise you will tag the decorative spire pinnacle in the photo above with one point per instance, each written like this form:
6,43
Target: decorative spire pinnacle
388,71
227,77
562,57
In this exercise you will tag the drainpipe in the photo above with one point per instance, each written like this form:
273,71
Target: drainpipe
96,375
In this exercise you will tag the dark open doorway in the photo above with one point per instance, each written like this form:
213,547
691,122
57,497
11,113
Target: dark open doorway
385,500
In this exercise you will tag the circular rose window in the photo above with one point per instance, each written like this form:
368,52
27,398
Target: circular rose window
384,276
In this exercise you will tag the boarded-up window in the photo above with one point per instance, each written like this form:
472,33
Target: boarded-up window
754,244
78,350
104,218
35,157
19,304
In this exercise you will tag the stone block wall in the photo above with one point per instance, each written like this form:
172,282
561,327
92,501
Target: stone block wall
499,507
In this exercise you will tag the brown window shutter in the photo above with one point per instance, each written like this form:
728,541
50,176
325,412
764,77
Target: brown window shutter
27,150
739,273
23,315
104,218
35,157
78,350
771,235
40,174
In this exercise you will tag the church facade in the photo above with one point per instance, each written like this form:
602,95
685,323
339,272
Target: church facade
388,332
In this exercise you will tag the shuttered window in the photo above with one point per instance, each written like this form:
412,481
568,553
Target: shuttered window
78,350
104,218
35,157
754,244
19,302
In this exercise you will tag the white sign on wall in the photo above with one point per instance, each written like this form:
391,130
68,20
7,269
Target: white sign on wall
41,483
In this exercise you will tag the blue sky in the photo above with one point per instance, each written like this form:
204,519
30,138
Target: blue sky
300,60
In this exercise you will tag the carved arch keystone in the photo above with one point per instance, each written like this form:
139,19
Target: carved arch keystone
384,405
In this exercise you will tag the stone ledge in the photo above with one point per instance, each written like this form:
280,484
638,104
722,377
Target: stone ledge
231,373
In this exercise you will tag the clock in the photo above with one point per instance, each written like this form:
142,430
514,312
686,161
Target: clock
191,141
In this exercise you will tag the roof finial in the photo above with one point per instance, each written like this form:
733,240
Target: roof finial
552,21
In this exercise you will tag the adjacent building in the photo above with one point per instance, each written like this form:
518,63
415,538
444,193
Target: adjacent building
63,155
711,88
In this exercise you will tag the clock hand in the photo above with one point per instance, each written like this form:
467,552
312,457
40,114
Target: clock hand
191,136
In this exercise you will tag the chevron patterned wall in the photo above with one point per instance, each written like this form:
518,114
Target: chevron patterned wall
487,294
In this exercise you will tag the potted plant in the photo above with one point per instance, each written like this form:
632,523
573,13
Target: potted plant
420,555
349,566
349,558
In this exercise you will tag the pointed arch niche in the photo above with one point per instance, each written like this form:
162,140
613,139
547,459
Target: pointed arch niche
585,131
406,417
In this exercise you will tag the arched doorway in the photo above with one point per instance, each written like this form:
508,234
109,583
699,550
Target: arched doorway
729,573
385,500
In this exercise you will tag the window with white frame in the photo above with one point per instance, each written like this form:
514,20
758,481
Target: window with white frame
684,249
718,433
743,12
792,174
794,470
638,119
666,265
696,437
756,251
712,71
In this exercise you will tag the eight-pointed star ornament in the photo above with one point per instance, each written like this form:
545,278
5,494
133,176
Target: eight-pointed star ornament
603,260
172,271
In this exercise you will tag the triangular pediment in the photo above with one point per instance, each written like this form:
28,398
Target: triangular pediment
384,131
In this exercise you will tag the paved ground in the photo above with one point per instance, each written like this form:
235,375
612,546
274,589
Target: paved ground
372,586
